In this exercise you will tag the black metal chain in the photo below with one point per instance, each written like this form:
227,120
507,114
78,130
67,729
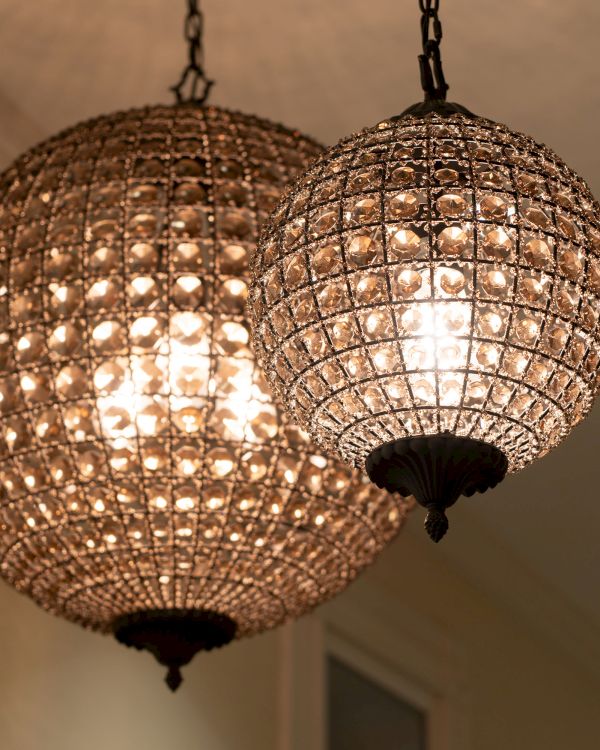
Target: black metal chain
430,62
194,71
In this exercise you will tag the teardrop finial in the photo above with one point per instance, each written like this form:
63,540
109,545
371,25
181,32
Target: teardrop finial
436,524
173,678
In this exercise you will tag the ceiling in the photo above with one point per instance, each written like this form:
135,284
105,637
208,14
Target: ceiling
329,68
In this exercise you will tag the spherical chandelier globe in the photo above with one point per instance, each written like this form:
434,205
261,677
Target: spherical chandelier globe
150,486
426,299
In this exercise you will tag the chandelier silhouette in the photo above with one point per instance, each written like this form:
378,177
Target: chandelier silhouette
150,486
425,298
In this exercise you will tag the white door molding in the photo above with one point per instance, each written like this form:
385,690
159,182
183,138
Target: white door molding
405,653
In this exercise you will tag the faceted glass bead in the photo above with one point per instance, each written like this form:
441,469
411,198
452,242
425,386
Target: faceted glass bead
537,253
570,263
408,282
452,241
451,204
365,211
402,176
494,283
405,244
324,222
532,289
403,206
530,185
327,260
494,207
536,216
446,176
527,330
363,249
370,289
497,244
452,281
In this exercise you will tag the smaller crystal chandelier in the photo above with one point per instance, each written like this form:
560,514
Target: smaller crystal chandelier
149,485
426,298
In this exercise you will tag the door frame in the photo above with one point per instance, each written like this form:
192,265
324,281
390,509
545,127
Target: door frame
399,649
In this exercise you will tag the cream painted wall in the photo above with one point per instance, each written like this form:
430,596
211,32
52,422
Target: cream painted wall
512,686
62,688
495,680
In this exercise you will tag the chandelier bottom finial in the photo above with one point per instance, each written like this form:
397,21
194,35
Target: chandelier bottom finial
437,470
174,636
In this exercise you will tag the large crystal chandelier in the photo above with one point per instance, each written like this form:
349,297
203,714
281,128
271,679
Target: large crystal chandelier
426,298
149,485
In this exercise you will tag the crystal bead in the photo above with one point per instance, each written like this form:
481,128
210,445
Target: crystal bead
567,301
532,289
370,289
493,207
295,270
537,253
537,217
497,244
378,325
451,205
446,176
332,297
363,249
365,211
570,263
324,222
557,338
494,283
529,185
403,206
403,176
527,331
232,259
408,282
452,281
453,241
327,260
404,244
232,223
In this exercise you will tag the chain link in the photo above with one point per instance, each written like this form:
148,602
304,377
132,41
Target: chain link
193,73
430,62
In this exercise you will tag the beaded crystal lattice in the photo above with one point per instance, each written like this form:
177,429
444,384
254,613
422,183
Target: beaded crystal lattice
427,275
144,465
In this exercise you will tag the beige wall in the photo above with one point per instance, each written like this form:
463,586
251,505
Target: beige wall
62,688
514,687
496,681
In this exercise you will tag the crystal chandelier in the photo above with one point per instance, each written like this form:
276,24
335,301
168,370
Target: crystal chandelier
426,298
149,485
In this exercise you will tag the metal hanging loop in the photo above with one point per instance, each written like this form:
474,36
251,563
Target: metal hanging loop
430,61
193,74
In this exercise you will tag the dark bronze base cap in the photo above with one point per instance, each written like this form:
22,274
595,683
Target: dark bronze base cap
174,636
437,106
436,470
